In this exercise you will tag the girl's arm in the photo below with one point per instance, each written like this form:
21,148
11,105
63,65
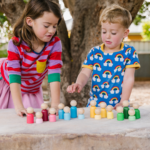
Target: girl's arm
128,82
17,99
55,95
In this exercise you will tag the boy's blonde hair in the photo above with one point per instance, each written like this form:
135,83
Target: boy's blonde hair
116,14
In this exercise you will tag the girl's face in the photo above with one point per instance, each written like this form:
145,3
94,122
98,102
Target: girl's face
112,35
44,27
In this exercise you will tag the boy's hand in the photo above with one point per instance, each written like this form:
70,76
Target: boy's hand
119,104
21,111
74,87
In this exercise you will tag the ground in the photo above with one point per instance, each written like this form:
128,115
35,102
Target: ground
140,93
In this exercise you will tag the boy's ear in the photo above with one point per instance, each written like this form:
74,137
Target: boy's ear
126,33
29,21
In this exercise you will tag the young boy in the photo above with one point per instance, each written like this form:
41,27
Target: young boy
113,63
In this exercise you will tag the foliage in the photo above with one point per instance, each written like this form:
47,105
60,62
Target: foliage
5,27
141,14
25,1
146,30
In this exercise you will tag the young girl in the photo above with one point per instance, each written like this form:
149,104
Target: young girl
32,52
113,63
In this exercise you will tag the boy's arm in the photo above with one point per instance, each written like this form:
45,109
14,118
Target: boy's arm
83,76
128,82
81,81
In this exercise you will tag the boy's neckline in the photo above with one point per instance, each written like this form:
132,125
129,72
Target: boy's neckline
102,48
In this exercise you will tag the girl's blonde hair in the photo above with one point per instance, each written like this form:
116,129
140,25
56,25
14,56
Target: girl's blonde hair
34,9
116,14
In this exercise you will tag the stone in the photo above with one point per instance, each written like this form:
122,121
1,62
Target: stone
76,134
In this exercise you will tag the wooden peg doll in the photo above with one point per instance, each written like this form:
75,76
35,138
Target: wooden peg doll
125,109
30,116
52,116
39,118
92,108
103,110
73,109
81,113
44,111
120,115
110,114
131,114
137,111
61,111
67,113
97,114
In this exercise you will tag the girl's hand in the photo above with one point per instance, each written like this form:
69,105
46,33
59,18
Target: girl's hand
21,111
54,105
74,87
119,104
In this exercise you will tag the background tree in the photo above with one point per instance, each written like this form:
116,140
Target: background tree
85,34
146,31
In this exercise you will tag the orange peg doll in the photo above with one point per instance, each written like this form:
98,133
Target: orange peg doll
92,108
103,110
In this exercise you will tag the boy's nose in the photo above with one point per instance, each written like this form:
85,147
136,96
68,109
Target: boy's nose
108,35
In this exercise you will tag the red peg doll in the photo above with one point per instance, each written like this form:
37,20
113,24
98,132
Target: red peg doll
44,112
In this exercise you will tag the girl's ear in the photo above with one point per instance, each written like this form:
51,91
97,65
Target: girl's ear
29,21
126,33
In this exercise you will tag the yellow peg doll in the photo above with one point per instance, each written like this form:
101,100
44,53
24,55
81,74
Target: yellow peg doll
110,114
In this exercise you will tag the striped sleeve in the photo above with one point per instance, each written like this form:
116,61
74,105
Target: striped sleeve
55,62
13,63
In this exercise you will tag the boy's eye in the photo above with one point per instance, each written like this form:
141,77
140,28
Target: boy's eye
46,26
104,32
54,26
113,33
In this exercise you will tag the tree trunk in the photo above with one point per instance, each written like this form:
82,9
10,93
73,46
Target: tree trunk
85,34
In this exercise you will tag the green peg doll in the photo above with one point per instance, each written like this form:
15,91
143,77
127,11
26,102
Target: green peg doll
120,115
137,111
125,109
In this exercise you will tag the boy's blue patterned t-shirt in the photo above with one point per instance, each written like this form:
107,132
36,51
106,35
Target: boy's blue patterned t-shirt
108,72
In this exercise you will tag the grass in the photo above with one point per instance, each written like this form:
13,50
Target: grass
3,53
3,50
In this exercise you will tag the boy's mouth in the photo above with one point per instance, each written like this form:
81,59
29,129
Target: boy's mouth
108,42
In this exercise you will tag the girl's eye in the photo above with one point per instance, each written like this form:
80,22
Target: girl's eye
46,26
113,33
54,26
104,32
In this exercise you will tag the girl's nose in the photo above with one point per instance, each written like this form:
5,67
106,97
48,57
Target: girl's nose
51,30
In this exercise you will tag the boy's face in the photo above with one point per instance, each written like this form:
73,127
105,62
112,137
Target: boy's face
112,35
